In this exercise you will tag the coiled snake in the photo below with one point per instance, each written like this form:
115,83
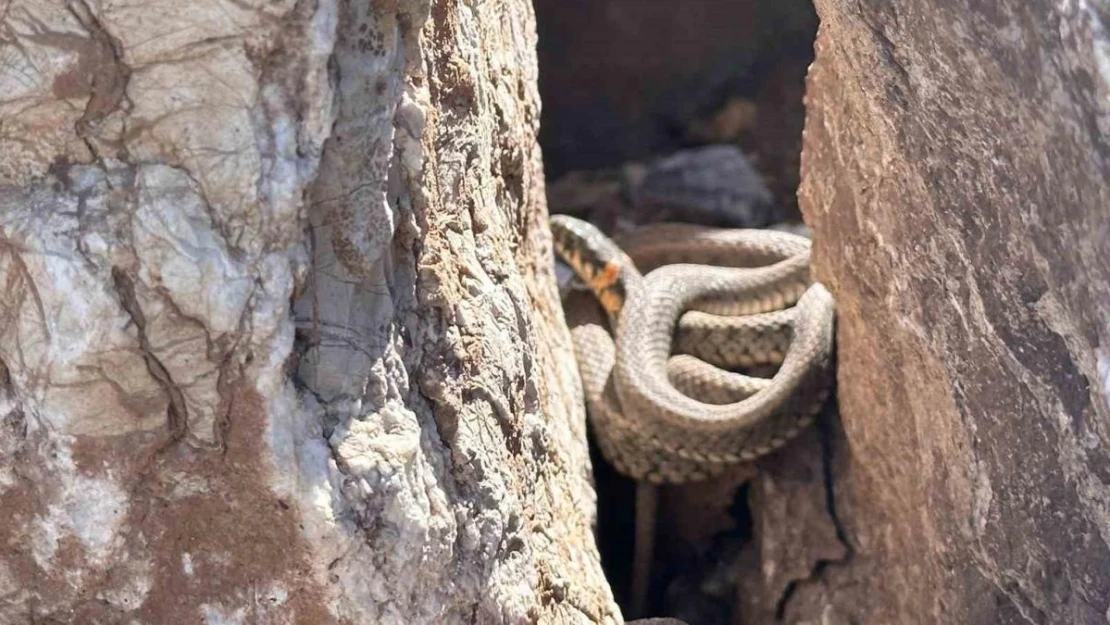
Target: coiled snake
660,418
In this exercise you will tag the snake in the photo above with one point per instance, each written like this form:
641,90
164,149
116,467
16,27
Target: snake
747,300
663,417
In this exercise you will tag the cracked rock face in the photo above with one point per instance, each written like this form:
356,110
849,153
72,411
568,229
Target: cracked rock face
279,332
956,171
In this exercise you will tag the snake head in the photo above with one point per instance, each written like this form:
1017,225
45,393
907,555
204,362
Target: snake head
595,259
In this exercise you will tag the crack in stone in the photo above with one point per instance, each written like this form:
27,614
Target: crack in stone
826,437
176,413
109,83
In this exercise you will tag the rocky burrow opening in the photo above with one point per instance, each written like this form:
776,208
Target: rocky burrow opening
640,97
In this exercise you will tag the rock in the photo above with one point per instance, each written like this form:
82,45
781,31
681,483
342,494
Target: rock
956,176
716,184
281,340
795,533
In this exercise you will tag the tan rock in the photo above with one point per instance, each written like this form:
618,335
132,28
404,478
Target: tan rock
280,334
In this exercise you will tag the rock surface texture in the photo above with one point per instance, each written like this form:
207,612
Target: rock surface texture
955,175
279,333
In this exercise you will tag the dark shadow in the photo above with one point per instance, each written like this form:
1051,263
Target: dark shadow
631,80
625,80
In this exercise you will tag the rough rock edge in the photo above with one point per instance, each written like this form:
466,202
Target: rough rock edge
955,176
158,462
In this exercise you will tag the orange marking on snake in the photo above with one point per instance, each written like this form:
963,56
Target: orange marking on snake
601,282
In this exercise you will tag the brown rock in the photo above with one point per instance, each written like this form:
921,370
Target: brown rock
795,532
955,175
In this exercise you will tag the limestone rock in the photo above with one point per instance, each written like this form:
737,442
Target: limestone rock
280,334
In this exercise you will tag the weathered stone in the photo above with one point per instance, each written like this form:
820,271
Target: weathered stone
956,175
716,184
280,339
795,533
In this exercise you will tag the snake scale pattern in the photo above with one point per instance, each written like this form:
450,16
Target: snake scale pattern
719,298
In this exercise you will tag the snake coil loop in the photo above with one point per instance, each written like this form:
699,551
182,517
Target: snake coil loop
724,299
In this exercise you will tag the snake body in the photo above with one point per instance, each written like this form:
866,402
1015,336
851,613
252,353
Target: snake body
751,303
